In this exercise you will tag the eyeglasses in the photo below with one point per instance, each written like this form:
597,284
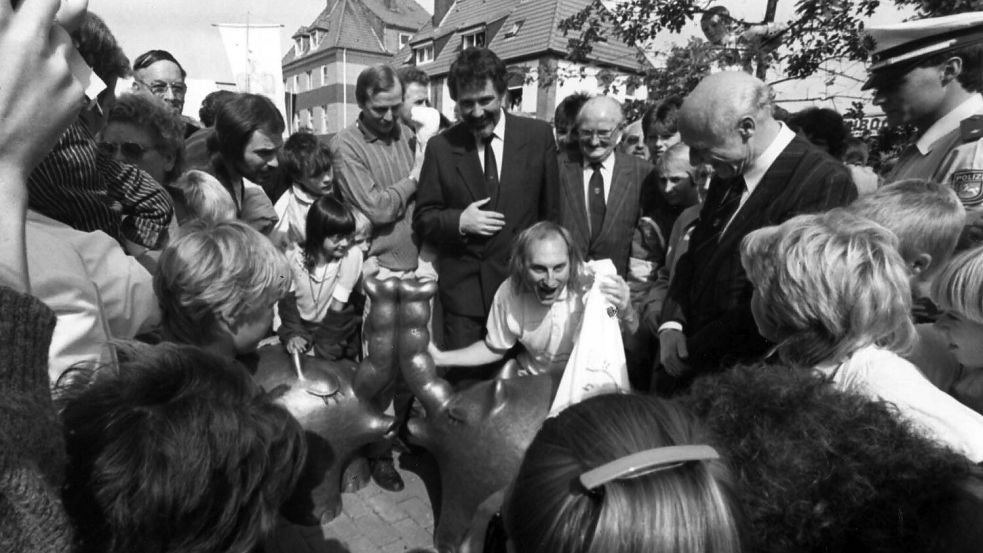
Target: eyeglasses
601,135
130,150
160,87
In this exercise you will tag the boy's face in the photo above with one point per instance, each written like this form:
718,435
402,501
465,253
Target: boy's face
964,337
318,185
247,335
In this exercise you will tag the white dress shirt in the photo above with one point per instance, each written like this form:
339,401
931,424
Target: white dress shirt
497,144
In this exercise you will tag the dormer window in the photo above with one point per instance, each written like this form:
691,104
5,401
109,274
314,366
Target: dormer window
404,39
298,46
315,36
423,54
473,39
514,29
305,43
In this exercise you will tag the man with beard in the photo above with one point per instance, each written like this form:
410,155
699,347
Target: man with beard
243,150
483,181
539,306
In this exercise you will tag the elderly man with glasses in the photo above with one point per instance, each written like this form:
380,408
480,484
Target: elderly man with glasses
158,72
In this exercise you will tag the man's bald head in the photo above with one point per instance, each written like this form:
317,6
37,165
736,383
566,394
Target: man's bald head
727,121
599,127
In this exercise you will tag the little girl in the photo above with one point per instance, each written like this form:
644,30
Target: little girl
325,270
832,291
958,291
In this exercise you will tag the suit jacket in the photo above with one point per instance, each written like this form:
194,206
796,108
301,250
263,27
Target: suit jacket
710,293
623,208
471,268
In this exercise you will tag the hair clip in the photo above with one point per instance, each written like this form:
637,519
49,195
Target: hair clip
646,462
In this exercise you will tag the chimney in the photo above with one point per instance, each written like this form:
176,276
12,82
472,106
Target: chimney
440,9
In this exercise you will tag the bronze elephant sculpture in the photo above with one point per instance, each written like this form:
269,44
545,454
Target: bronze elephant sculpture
477,435
338,405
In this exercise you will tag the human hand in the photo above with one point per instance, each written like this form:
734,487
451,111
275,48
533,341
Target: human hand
434,353
673,352
297,344
475,220
417,164
39,95
615,291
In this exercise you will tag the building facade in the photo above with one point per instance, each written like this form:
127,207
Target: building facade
327,56
525,34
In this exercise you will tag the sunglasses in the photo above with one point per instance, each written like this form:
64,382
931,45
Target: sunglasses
130,150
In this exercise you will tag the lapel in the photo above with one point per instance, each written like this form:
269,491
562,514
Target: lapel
573,191
464,149
511,164
751,216
619,191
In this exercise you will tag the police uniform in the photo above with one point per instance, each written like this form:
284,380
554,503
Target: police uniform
951,150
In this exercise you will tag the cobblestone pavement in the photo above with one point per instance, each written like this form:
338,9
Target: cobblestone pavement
372,521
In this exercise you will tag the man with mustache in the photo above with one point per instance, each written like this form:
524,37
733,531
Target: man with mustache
539,306
483,181
928,73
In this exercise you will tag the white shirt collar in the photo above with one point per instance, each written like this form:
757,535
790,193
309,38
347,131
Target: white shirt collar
499,132
607,164
754,174
949,122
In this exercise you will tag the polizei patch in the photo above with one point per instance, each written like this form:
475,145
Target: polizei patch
968,185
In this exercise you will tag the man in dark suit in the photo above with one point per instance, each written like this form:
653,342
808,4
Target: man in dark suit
765,174
600,189
483,181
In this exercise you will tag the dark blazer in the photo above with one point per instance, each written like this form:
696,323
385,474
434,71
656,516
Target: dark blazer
471,268
710,293
623,208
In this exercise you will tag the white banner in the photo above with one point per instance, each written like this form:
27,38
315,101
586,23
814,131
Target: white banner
254,56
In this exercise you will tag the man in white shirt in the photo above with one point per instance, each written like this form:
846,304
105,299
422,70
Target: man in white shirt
927,73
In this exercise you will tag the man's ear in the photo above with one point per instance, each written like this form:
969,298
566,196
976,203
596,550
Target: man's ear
746,127
920,264
951,69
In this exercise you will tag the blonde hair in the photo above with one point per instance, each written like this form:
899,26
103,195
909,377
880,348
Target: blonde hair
217,273
203,197
830,284
959,287
927,217
690,508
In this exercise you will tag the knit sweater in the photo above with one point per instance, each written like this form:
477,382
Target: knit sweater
32,452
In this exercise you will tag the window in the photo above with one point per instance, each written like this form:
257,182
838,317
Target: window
324,75
314,38
310,80
515,99
305,43
514,29
309,118
324,119
298,46
473,40
297,83
423,54
404,39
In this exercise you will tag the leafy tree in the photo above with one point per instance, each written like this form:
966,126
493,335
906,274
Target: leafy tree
820,30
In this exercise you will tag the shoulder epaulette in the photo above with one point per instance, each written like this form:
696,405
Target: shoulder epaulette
971,128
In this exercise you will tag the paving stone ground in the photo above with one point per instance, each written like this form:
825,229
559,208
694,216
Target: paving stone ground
372,521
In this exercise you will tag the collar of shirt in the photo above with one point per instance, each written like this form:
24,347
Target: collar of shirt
949,122
607,173
497,144
371,136
303,196
754,174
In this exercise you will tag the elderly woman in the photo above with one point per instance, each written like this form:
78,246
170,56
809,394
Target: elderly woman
142,131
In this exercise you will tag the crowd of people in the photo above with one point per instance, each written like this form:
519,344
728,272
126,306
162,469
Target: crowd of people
803,333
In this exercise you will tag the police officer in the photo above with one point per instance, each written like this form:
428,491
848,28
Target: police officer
929,73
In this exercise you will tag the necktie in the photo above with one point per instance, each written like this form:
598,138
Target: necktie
595,201
728,204
491,168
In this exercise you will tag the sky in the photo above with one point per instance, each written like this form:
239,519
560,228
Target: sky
184,27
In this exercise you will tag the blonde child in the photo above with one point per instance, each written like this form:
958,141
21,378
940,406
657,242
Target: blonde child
927,217
198,195
217,284
958,291
325,268
832,291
